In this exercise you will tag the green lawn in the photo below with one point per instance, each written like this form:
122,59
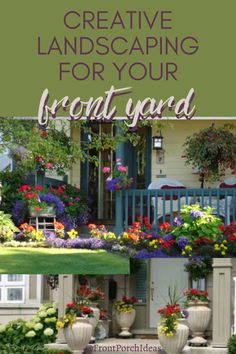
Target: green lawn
61,261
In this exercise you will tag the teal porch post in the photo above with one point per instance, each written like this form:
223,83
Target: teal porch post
40,178
120,154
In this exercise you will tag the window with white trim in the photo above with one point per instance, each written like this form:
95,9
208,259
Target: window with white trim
12,288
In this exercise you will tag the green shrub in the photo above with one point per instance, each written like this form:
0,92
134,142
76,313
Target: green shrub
20,336
7,227
10,184
232,344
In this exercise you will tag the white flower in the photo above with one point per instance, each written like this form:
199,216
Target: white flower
30,334
38,326
36,319
50,319
29,324
42,314
2,328
51,311
48,332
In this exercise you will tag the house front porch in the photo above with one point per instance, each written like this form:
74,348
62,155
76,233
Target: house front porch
136,345
220,286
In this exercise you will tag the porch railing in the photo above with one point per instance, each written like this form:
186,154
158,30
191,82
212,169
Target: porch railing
160,205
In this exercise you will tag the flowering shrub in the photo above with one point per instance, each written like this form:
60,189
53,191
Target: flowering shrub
100,232
126,304
41,329
170,315
192,294
118,178
29,233
72,311
75,202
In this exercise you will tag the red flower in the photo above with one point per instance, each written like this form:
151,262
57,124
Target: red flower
59,190
70,203
37,209
24,188
38,188
165,226
71,305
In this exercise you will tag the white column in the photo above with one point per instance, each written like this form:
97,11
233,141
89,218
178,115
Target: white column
65,296
222,285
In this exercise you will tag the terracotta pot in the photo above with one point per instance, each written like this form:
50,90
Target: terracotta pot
125,321
176,343
78,335
198,320
94,320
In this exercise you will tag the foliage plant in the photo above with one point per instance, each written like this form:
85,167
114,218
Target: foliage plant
7,227
198,267
118,177
197,224
212,151
74,310
126,304
232,344
35,333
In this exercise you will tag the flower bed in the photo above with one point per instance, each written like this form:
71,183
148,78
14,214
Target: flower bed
195,233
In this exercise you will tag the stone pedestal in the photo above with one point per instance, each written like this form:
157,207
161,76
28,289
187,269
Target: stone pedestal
222,312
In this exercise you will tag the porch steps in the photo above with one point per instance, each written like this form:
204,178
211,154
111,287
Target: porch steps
135,346
147,333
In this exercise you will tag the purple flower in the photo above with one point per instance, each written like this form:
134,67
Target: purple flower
178,221
196,214
143,254
183,241
19,212
53,199
168,237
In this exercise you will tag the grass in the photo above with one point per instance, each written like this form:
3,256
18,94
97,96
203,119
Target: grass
61,261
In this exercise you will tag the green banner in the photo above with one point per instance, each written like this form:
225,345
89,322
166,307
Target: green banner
117,58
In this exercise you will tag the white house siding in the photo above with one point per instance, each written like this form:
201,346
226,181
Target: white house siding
175,133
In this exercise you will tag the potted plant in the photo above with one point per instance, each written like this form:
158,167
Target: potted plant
91,296
125,314
172,332
40,201
199,314
76,326
118,178
211,151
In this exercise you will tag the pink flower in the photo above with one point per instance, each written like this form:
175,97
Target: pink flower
106,170
65,196
49,165
122,168
77,199
70,203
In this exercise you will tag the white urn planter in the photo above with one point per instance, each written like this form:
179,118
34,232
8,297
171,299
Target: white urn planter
176,343
125,321
198,321
94,320
78,335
